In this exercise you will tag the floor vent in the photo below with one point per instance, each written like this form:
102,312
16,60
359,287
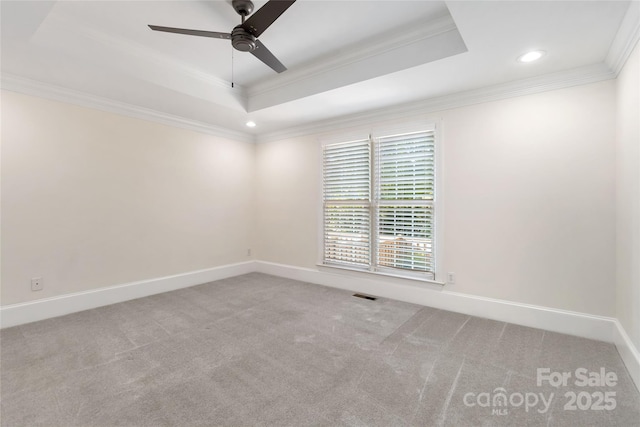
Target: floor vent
365,297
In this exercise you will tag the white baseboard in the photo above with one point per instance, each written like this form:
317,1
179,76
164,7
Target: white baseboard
628,352
599,328
18,314
550,319
568,322
573,323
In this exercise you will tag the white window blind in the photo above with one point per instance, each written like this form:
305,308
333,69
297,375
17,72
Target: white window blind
404,196
379,197
347,203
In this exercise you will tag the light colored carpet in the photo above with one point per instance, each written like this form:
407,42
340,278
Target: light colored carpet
262,350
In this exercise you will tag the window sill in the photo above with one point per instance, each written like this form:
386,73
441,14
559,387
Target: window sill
402,277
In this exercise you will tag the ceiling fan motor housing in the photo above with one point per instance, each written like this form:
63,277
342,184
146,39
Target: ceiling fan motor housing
243,7
242,40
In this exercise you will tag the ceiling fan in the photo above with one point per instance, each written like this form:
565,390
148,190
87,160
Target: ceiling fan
244,37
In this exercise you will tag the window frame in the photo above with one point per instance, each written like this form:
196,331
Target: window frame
371,133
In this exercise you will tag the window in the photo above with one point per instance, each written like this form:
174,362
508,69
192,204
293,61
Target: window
379,203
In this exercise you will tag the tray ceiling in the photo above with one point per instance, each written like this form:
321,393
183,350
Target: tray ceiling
343,57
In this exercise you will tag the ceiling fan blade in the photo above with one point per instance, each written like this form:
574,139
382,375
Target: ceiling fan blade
200,33
257,23
263,54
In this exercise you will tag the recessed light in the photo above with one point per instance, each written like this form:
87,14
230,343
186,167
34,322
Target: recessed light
531,56
251,124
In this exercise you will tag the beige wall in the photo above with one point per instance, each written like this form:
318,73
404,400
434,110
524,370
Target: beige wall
288,200
93,199
529,199
628,197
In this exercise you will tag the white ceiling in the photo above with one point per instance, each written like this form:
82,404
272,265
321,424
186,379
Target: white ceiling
343,57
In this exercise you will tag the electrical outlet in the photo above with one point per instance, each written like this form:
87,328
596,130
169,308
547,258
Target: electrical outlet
451,278
248,252
37,284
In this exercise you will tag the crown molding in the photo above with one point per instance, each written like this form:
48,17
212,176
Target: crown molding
62,94
560,80
439,45
374,47
554,81
626,38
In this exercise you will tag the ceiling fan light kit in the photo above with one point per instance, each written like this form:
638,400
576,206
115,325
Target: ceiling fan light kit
244,37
